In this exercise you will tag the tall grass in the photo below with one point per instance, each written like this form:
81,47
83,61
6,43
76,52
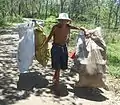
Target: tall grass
112,38
113,52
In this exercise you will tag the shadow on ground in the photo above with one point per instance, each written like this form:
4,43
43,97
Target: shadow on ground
28,81
61,91
93,94
10,93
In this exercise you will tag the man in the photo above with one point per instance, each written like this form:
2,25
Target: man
59,54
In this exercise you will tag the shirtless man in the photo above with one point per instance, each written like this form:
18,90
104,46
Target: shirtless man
59,53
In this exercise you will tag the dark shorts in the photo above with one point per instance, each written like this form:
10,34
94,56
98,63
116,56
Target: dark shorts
59,57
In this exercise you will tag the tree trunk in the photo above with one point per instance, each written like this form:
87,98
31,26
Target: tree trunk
97,19
46,9
62,2
51,8
116,16
32,9
110,14
11,12
38,9
109,18
19,9
73,7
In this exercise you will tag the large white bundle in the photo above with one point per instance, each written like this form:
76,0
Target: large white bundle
26,48
90,60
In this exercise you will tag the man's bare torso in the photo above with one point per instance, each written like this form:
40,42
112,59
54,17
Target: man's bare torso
61,34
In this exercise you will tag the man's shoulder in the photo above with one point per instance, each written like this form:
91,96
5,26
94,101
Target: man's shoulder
57,25
54,27
68,25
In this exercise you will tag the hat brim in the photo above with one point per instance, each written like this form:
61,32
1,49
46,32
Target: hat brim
64,19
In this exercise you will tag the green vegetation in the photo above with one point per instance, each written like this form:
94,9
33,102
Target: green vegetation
113,51
49,22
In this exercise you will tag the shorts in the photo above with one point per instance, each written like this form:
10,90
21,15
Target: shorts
59,57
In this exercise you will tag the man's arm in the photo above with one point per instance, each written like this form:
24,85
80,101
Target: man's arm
73,27
76,28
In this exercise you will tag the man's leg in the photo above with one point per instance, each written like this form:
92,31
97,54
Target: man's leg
64,58
55,55
56,77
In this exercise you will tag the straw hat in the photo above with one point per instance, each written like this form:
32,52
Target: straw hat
63,16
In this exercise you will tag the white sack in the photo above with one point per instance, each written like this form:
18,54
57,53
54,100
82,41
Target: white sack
26,48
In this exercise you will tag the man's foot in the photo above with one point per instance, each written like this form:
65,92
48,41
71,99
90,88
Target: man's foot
57,92
56,89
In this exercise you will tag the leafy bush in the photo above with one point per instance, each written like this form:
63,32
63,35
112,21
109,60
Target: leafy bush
49,22
73,37
3,21
14,19
8,19
111,35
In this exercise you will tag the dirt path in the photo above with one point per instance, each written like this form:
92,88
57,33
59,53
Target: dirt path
42,94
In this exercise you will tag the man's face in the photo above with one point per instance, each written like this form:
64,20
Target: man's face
63,21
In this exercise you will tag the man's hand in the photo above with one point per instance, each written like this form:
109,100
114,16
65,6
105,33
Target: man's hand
83,28
86,32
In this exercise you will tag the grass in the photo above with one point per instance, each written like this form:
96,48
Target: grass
113,52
